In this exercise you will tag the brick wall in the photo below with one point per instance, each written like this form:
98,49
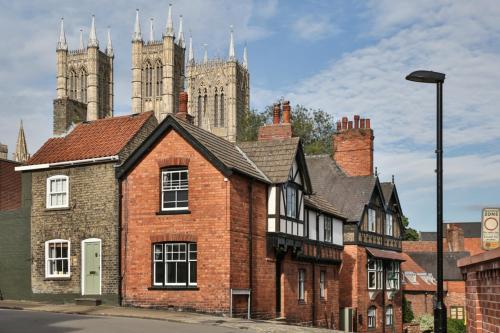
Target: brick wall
275,131
421,302
482,285
419,246
10,186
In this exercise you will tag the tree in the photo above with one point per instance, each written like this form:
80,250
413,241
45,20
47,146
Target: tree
314,126
407,311
409,234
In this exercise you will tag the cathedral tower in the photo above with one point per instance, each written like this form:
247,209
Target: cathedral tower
219,91
157,69
84,81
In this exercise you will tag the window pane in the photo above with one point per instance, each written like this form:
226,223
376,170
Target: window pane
64,252
159,272
182,196
182,272
172,272
192,272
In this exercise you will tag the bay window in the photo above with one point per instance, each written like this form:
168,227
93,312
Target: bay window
375,274
393,277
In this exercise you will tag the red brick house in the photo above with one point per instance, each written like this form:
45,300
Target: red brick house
207,224
370,295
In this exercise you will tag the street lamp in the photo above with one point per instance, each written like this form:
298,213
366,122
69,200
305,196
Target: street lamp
438,79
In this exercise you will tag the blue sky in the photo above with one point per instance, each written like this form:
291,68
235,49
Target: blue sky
345,57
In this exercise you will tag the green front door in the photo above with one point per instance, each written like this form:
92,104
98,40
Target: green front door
92,268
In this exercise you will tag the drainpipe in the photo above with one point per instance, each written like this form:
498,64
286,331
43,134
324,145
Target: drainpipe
120,297
314,291
384,277
250,230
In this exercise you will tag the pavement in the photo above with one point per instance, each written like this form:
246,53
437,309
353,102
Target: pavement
191,322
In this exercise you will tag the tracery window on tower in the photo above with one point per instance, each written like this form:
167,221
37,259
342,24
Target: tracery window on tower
200,107
83,85
216,109
73,79
205,100
159,78
221,108
148,74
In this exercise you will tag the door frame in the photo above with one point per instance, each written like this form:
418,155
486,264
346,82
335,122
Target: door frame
82,273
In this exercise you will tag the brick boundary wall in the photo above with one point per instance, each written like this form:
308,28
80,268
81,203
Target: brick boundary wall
482,275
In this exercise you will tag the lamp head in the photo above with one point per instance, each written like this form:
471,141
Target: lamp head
426,77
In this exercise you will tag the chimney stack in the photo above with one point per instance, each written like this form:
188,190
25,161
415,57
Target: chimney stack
281,128
454,238
353,146
182,113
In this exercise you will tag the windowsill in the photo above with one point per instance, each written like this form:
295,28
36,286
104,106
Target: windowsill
174,288
55,209
174,212
322,299
57,278
302,302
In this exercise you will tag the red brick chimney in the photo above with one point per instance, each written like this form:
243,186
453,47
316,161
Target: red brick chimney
278,130
353,146
183,102
454,238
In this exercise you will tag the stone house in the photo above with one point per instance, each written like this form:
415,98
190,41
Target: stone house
214,226
74,211
370,296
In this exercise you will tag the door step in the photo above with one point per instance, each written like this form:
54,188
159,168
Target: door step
88,301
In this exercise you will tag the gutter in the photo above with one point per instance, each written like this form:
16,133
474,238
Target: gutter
67,163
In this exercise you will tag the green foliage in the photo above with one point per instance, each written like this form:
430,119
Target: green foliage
408,315
409,234
314,126
456,326
426,322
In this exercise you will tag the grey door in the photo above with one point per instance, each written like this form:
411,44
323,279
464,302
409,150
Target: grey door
92,268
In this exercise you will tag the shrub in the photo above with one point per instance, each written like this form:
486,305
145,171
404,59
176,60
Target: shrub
456,326
408,315
426,323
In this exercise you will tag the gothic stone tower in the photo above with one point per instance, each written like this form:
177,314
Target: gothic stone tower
218,92
157,69
84,82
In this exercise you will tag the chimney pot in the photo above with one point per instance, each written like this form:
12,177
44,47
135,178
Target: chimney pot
367,123
286,112
344,123
349,124
183,100
356,121
362,123
339,125
276,113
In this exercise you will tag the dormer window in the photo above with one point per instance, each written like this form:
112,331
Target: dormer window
57,191
372,220
291,201
388,225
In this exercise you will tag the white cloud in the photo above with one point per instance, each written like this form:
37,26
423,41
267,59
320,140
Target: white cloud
314,27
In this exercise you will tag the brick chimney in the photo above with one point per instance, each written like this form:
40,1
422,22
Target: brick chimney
353,146
281,128
183,102
454,238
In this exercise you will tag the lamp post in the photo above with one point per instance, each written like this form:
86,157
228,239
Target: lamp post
438,79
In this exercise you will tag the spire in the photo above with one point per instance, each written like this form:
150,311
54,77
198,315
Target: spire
137,36
21,154
231,46
180,36
190,55
80,46
245,57
109,47
61,44
205,55
93,42
151,31
170,24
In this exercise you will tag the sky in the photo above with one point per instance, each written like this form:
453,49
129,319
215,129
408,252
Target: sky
344,57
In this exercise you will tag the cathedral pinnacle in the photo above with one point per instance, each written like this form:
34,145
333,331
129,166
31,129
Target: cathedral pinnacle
205,55
109,47
231,46
137,36
93,42
170,24
80,46
245,57
61,44
151,30
180,36
21,154
190,55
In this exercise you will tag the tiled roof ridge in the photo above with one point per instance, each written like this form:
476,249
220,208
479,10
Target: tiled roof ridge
251,162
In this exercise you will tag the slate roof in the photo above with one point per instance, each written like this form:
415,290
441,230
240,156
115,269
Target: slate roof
428,236
273,157
348,194
92,139
387,189
471,230
427,260
224,154
319,203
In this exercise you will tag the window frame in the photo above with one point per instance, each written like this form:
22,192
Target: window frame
164,261
371,323
389,316
456,308
292,188
389,224
173,169
47,259
49,193
393,268
378,271
328,219
301,292
372,220
322,284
